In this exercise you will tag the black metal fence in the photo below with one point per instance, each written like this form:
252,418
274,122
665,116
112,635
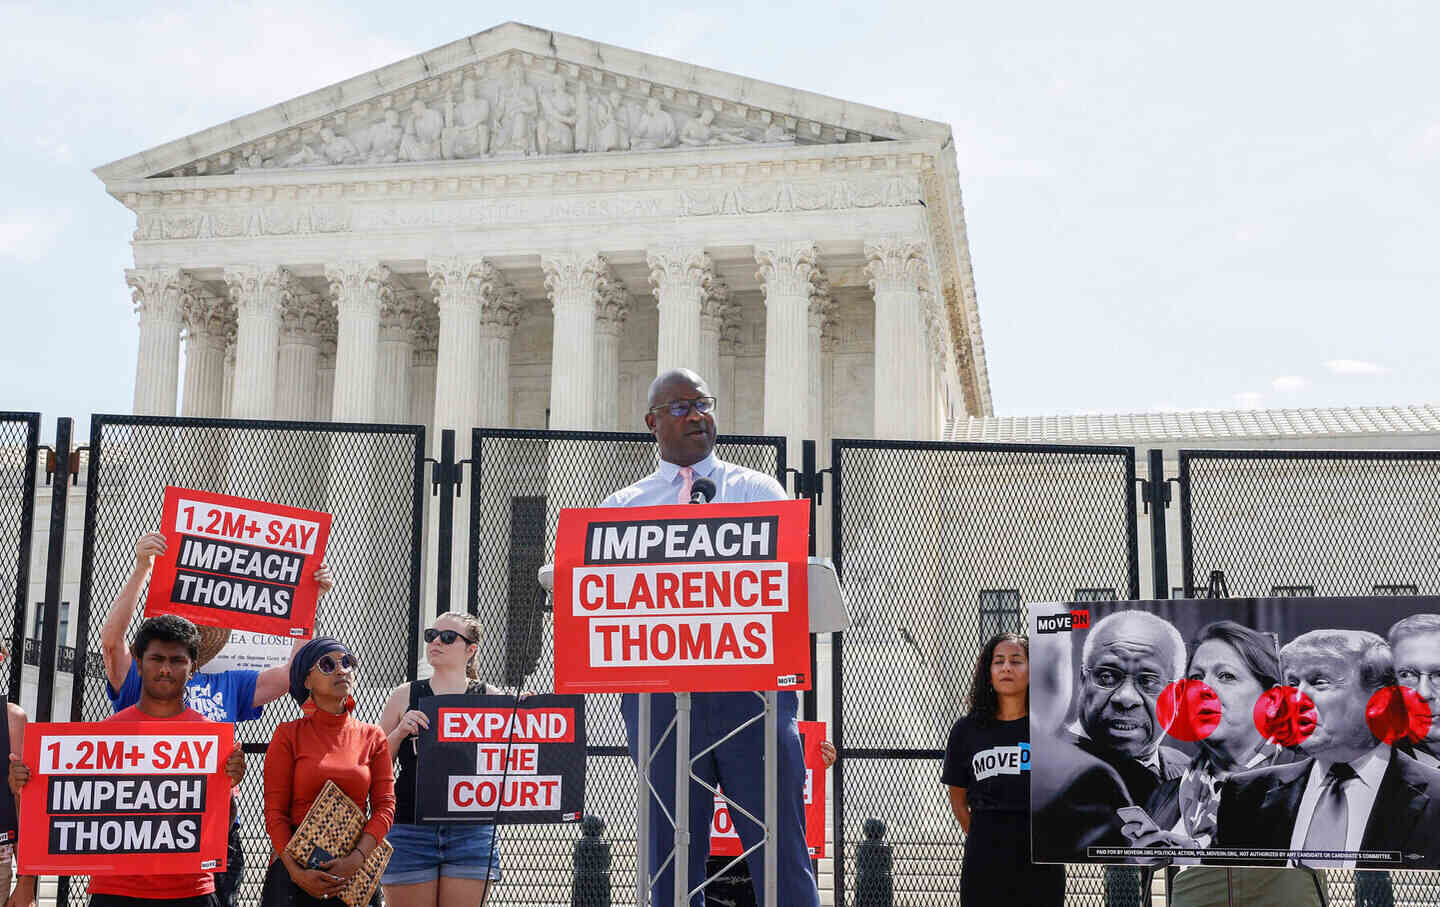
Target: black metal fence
520,481
1322,522
368,476
19,452
939,546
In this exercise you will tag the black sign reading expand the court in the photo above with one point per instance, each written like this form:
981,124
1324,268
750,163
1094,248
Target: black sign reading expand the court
751,538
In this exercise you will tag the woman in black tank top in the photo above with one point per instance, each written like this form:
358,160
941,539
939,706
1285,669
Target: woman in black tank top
435,864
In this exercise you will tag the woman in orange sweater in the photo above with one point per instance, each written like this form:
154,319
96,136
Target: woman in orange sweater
328,743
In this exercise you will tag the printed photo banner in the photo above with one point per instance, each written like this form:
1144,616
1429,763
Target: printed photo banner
233,562
1183,731
487,759
683,598
725,841
125,797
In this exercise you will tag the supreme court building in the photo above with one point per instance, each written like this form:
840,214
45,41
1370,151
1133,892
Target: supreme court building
521,228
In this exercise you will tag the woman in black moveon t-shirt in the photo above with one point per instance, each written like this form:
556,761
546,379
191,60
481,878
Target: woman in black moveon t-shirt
987,769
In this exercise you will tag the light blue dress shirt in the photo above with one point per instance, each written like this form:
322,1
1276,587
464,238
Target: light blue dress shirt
733,484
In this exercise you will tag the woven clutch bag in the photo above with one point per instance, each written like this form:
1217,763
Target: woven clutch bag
333,825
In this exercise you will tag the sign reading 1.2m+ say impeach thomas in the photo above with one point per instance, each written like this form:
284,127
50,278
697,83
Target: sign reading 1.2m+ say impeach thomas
683,598
127,797
238,563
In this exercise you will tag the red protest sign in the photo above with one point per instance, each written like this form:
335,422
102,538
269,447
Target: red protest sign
233,562
683,598
725,841
125,798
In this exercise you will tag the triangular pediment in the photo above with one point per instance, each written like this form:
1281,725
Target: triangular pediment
518,91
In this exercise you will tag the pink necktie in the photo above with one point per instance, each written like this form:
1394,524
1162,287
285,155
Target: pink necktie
687,475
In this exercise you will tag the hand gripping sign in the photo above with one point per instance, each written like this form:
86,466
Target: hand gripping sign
487,759
725,841
233,562
125,797
683,598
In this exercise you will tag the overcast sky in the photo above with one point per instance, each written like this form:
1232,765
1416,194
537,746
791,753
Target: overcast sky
1169,207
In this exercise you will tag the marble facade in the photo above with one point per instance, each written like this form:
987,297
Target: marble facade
521,228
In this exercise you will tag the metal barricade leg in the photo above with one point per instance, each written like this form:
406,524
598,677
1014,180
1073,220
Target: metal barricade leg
682,800
642,816
772,798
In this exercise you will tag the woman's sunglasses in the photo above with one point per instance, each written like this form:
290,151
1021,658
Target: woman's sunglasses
328,663
448,637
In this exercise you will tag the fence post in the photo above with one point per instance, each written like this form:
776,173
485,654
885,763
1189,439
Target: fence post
590,885
874,868
1158,498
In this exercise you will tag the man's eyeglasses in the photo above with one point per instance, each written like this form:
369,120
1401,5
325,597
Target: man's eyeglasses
448,637
1111,679
328,663
681,408
1410,677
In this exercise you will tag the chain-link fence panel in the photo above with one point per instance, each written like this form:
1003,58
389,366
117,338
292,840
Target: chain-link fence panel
19,440
939,546
1297,523
521,481
370,477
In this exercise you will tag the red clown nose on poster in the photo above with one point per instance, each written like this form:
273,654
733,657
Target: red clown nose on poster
239,563
683,598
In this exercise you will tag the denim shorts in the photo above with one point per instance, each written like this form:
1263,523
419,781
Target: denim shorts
424,853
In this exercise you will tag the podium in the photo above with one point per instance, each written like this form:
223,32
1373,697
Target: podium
593,588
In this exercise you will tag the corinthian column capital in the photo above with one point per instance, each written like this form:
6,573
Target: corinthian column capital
895,263
259,289
680,269
159,294
206,315
459,280
361,287
573,278
612,306
787,268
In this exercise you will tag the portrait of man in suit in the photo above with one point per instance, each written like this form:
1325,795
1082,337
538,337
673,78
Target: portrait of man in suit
1110,756
1416,644
1353,792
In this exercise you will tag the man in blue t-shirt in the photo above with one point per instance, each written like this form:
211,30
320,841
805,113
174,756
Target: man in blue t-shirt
234,695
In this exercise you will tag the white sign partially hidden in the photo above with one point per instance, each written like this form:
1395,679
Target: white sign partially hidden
248,651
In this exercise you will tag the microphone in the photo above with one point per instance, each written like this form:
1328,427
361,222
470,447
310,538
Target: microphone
702,491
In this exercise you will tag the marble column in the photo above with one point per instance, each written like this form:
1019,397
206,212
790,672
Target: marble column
787,270
712,320
394,357
209,319
730,327
680,276
473,348
324,404
260,292
821,311
227,397
498,321
297,378
425,341
359,288
895,266
610,317
573,280
159,295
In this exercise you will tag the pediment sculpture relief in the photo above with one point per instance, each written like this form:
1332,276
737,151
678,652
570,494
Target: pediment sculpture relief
518,114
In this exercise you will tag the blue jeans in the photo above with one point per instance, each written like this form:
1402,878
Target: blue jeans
425,852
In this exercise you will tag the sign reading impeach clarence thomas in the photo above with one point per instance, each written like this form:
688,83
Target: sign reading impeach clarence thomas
1263,732
682,598
233,562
